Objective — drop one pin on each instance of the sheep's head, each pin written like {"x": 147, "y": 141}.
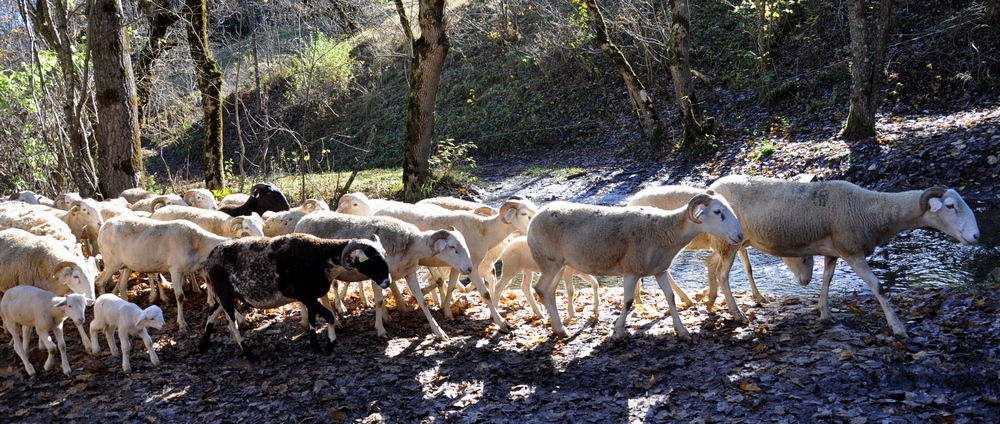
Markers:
{"x": 713, "y": 213}
{"x": 74, "y": 306}
{"x": 450, "y": 247}
{"x": 518, "y": 212}
{"x": 201, "y": 198}
{"x": 367, "y": 257}
{"x": 945, "y": 210}
{"x": 166, "y": 200}
{"x": 267, "y": 197}
{"x": 86, "y": 211}
{"x": 152, "y": 316}
{"x": 354, "y": 204}
{"x": 313, "y": 205}
{"x": 78, "y": 276}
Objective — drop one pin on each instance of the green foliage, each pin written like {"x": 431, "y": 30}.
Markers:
{"x": 450, "y": 166}
{"x": 765, "y": 151}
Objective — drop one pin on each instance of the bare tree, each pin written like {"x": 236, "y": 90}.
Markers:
{"x": 868, "y": 55}
{"x": 696, "y": 125}
{"x": 429, "y": 52}
{"x": 649, "y": 121}
{"x": 160, "y": 17}
{"x": 210, "y": 85}
{"x": 117, "y": 127}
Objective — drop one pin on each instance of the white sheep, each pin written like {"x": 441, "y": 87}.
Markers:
{"x": 24, "y": 307}
{"x": 516, "y": 258}
{"x": 674, "y": 196}
{"x": 235, "y": 199}
{"x": 215, "y": 222}
{"x": 405, "y": 246}
{"x": 456, "y": 204}
{"x": 27, "y": 259}
{"x": 629, "y": 241}
{"x": 35, "y": 221}
{"x": 153, "y": 203}
{"x": 281, "y": 223}
{"x": 201, "y": 198}
{"x": 114, "y": 314}
{"x": 133, "y": 195}
{"x": 150, "y": 246}
{"x": 26, "y": 196}
{"x": 480, "y": 232}
{"x": 65, "y": 201}
{"x": 360, "y": 205}
{"x": 836, "y": 219}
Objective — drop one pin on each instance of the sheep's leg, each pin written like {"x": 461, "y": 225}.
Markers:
{"x": 597, "y": 298}
{"x": 529, "y": 295}
{"x": 685, "y": 300}
{"x": 26, "y": 338}
{"x": 325, "y": 301}
{"x": 195, "y": 287}
{"x": 362, "y": 297}
{"x": 13, "y": 328}
{"x": 339, "y": 294}
{"x": 61, "y": 345}
{"x": 109, "y": 334}
{"x": 401, "y": 305}
{"x": 126, "y": 350}
{"x": 546, "y": 289}
{"x": 567, "y": 277}
{"x": 725, "y": 265}
{"x": 380, "y": 312}
{"x": 177, "y": 282}
{"x": 682, "y": 332}
{"x": 414, "y": 285}
{"x": 206, "y": 337}
{"x": 446, "y": 295}
{"x": 148, "y": 341}
{"x": 829, "y": 268}
{"x": 50, "y": 346}
{"x": 860, "y": 266}
{"x": 481, "y": 286}
{"x": 84, "y": 338}
{"x": 314, "y": 308}
{"x": 745, "y": 259}
{"x": 157, "y": 281}
{"x": 95, "y": 346}
{"x": 629, "y": 292}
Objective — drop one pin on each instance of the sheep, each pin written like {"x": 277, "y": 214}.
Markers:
{"x": 112, "y": 313}
{"x": 629, "y": 241}
{"x": 26, "y": 196}
{"x": 270, "y": 272}
{"x": 263, "y": 197}
{"x": 836, "y": 219}
{"x": 456, "y": 204}
{"x": 150, "y": 246}
{"x": 134, "y": 195}
{"x": 201, "y": 198}
{"x": 29, "y": 306}
{"x": 216, "y": 222}
{"x": 26, "y": 217}
{"x": 27, "y": 259}
{"x": 517, "y": 258}
{"x": 405, "y": 246}
{"x": 66, "y": 200}
{"x": 82, "y": 214}
{"x": 480, "y": 232}
{"x": 672, "y": 197}
{"x": 235, "y": 199}
{"x": 280, "y": 223}
{"x": 153, "y": 203}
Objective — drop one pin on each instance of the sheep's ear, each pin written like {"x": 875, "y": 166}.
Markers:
{"x": 935, "y": 204}
{"x": 375, "y": 238}
{"x": 440, "y": 245}
{"x": 140, "y": 321}
{"x": 508, "y": 216}
{"x": 90, "y": 302}
{"x": 484, "y": 211}
{"x": 61, "y": 303}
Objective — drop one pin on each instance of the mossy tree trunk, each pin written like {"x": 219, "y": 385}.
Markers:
{"x": 51, "y": 20}
{"x": 869, "y": 35}
{"x": 429, "y": 52}
{"x": 649, "y": 121}
{"x": 210, "y": 85}
{"x": 160, "y": 17}
{"x": 697, "y": 127}
{"x": 117, "y": 129}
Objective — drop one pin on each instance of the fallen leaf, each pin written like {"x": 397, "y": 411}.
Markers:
{"x": 749, "y": 387}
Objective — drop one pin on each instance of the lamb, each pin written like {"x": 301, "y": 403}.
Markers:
{"x": 263, "y": 197}
{"x": 405, "y": 246}
{"x": 629, "y": 241}
{"x": 30, "y": 306}
{"x": 151, "y": 246}
{"x": 27, "y": 259}
{"x": 112, "y": 313}
{"x": 271, "y": 272}
{"x": 836, "y": 219}
{"x": 201, "y": 198}
{"x": 517, "y": 258}
{"x": 215, "y": 222}
{"x": 481, "y": 233}
{"x": 672, "y": 197}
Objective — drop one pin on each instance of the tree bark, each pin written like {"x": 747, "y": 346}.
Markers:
{"x": 868, "y": 54}
{"x": 697, "y": 127}
{"x": 117, "y": 126}
{"x": 429, "y": 52}
{"x": 210, "y": 85}
{"x": 649, "y": 121}
{"x": 160, "y": 17}
{"x": 52, "y": 23}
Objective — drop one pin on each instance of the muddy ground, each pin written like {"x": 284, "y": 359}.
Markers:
{"x": 784, "y": 366}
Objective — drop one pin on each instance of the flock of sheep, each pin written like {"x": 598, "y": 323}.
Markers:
{"x": 258, "y": 250}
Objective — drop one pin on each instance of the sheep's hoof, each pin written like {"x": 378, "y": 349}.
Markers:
{"x": 900, "y": 335}
{"x": 328, "y": 349}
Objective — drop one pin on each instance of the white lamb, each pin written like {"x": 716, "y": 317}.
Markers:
{"x": 29, "y": 306}
{"x": 112, "y": 313}
{"x": 629, "y": 241}
{"x": 516, "y": 258}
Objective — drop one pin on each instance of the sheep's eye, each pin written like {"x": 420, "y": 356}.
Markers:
{"x": 950, "y": 206}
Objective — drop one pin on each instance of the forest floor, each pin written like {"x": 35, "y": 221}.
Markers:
{"x": 784, "y": 366}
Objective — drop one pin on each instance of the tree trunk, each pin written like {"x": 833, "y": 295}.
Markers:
{"x": 429, "y": 52}
{"x": 697, "y": 127}
{"x": 160, "y": 17}
{"x": 52, "y": 23}
{"x": 868, "y": 54}
{"x": 210, "y": 85}
{"x": 117, "y": 126}
{"x": 649, "y": 121}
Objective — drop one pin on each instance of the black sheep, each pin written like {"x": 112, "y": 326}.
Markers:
{"x": 267, "y": 272}
{"x": 263, "y": 197}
